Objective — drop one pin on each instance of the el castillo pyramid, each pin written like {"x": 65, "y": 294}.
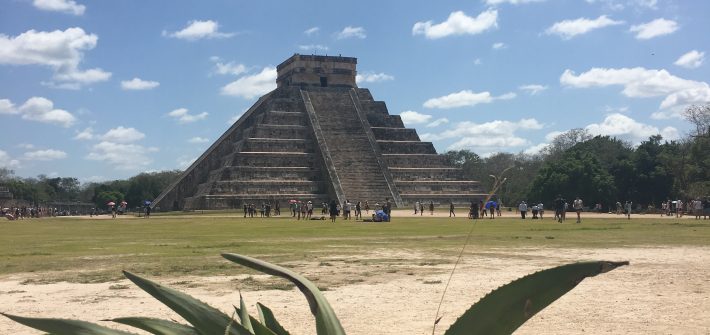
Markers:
{"x": 318, "y": 137}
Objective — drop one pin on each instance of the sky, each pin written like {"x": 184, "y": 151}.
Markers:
{"x": 103, "y": 90}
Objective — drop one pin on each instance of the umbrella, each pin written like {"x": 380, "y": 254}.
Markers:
{"x": 111, "y": 203}
{"x": 123, "y": 203}
{"x": 292, "y": 201}
{"x": 491, "y": 204}
{"x": 146, "y": 202}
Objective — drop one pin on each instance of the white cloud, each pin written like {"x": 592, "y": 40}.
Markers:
{"x": 184, "y": 162}
{"x": 490, "y": 136}
{"x": 45, "y": 155}
{"x": 369, "y": 77}
{"x": 536, "y": 149}
{"x": 198, "y": 139}
{"x": 85, "y": 135}
{"x": 197, "y": 29}
{"x": 533, "y": 89}
{"x": 552, "y": 135}
{"x": 228, "y": 68}
{"x": 313, "y": 47}
{"x": 477, "y": 61}
{"x": 122, "y": 156}
{"x": 639, "y": 82}
{"x": 7, "y": 107}
{"x": 412, "y": 117}
{"x": 64, "y": 6}
{"x": 458, "y": 23}
{"x": 311, "y": 31}
{"x": 122, "y": 135}
{"x": 499, "y": 45}
{"x": 62, "y": 51}
{"x": 42, "y": 110}
{"x": 568, "y": 29}
{"x": 624, "y": 127}
{"x": 691, "y": 60}
{"x": 512, "y": 2}
{"x": 7, "y": 162}
{"x": 182, "y": 116}
{"x": 251, "y": 86}
{"x": 465, "y": 98}
{"x": 438, "y": 122}
{"x": 26, "y": 146}
{"x": 235, "y": 118}
{"x": 655, "y": 28}
{"x": 139, "y": 84}
{"x": 351, "y": 32}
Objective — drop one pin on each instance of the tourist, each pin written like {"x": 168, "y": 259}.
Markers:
{"x": 421, "y": 208}
{"x": 245, "y": 209}
{"x": 697, "y": 208}
{"x": 540, "y": 210}
{"x": 358, "y": 210}
{"x": 431, "y": 207}
{"x": 367, "y": 207}
{"x": 498, "y": 208}
{"x": 523, "y": 208}
{"x": 678, "y": 209}
{"x": 451, "y": 209}
{"x": 416, "y": 207}
{"x": 534, "y": 211}
{"x": 559, "y": 204}
{"x": 346, "y": 209}
{"x": 577, "y": 205}
{"x": 482, "y": 209}
{"x": 304, "y": 210}
{"x": 333, "y": 210}
{"x": 388, "y": 211}
{"x": 309, "y": 210}
{"x": 277, "y": 209}
{"x": 627, "y": 209}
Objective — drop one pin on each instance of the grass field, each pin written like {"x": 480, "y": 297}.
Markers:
{"x": 84, "y": 250}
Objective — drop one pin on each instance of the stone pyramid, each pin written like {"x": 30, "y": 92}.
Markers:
{"x": 318, "y": 137}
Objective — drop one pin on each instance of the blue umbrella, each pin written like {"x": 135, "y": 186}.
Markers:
{"x": 491, "y": 204}
{"x": 147, "y": 202}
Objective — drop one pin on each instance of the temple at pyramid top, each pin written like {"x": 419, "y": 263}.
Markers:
{"x": 318, "y": 137}
{"x": 317, "y": 71}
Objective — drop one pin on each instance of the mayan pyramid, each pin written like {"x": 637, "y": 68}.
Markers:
{"x": 318, "y": 137}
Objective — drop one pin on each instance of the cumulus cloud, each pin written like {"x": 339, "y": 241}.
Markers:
{"x": 568, "y": 29}
{"x": 85, "y": 135}
{"x": 62, "y": 51}
{"x": 533, "y": 89}
{"x": 182, "y": 115}
{"x": 251, "y": 86}
{"x": 412, "y": 117}
{"x": 691, "y": 60}
{"x": 458, "y": 23}
{"x": 38, "y": 109}
{"x": 438, "y": 122}
{"x": 369, "y": 77}
{"x": 139, "y": 84}
{"x": 8, "y": 162}
{"x": 64, "y": 6}
{"x": 311, "y": 31}
{"x": 198, "y": 139}
{"x": 351, "y": 32}
{"x": 197, "y": 29}
{"x": 313, "y": 47}
{"x": 45, "y": 155}
{"x": 227, "y": 68}
{"x": 536, "y": 149}
{"x": 624, "y": 127}
{"x": 655, "y": 28}
{"x": 639, "y": 82}
{"x": 465, "y": 98}
{"x": 122, "y": 135}
{"x": 122, "y": 156}
{"x": 499, "y": 45}
{"x": 486, "y": 137}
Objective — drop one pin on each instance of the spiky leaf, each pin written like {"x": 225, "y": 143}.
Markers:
{"x": 327, "y": 322}
{"x": 508, "y": 307}
{"x": 65, "y": 326}
{"x": 244, "y": 315}
{"x": 258, "y": 327}
{"x": 206, "y": 319}
{"x": 157, "y": 326}
{"x": 269, "y": 320}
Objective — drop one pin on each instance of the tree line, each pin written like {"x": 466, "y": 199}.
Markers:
{"x": 601, "y": 169}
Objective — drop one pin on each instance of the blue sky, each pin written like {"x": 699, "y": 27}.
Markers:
{"x": 107, "y": 89}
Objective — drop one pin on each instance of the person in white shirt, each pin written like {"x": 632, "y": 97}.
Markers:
{"x": 523, "y": 208}
{"x": 577, "y": 205}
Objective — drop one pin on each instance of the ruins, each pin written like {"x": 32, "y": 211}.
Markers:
{"x": 318, "y": 137}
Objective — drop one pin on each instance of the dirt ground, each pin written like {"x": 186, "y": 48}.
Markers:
{"x": 663, "y": 291}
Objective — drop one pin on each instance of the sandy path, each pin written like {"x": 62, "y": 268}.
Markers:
{"x": 664, "y": 291}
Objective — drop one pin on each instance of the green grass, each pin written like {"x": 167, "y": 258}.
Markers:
{"x": 80, "y": 250}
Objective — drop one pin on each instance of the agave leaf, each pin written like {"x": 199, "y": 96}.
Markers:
{"x": 259, "y": 328}
{"x": 327, "y": 322}
{"x": 206, "y": 319}
{"x": 244, "y": 315}
{"x": 505, "y": 309}
{"x": 269, "y": 320}
{"x": 157, "y": 326}
{"x": 65, "y": 326}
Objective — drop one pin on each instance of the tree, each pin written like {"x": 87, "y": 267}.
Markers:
{"x": 699, "y": 116}
{"x": 566, "y": 141}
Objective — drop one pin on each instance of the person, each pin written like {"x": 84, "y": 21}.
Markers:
{"x": 482, "y": 209}
{"x": 421, "y": 208}
{"x": 358, "y": 211}
{"x": 388, "y": 211}
{"x": 416, "y": 207}
{"x": 333, "y": 210}
{"x": 540, "y": 210}
{"x": 577, "y": 205}
{"x": 431, "y": 207}
{"x": 627, "y": 209}
{"x": 309, "y": 210}
{"x": 277, "y": 209}
{"x": 679, "y": 209}
{"x": 559, "y": 207}
{"x": 523, "y": 208}
{"x": 113, "y": 211}
{"x": 147, "y": 212}
{"x": 451, "y": 209}
{"x": 245, "y": 209}
{"x": 534, "y": 211}
{"x": 706, "y": 208}
{"x": 346, "y": 210}
{"x": 498, "y": 208}
{"x": 367, "y": 207}
{"x": 304, "y": 210}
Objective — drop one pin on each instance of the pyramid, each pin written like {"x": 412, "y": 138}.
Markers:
{"x": 318, "y": 137}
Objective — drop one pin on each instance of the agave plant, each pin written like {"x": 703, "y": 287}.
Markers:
{"x": 500, "y": 312}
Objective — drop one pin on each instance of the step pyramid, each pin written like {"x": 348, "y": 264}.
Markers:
{"x": 318, "y": 137}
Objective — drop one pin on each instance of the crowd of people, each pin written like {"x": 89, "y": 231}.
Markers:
{"x": 25, "y": 212}
{"x": 306, "y": 210}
